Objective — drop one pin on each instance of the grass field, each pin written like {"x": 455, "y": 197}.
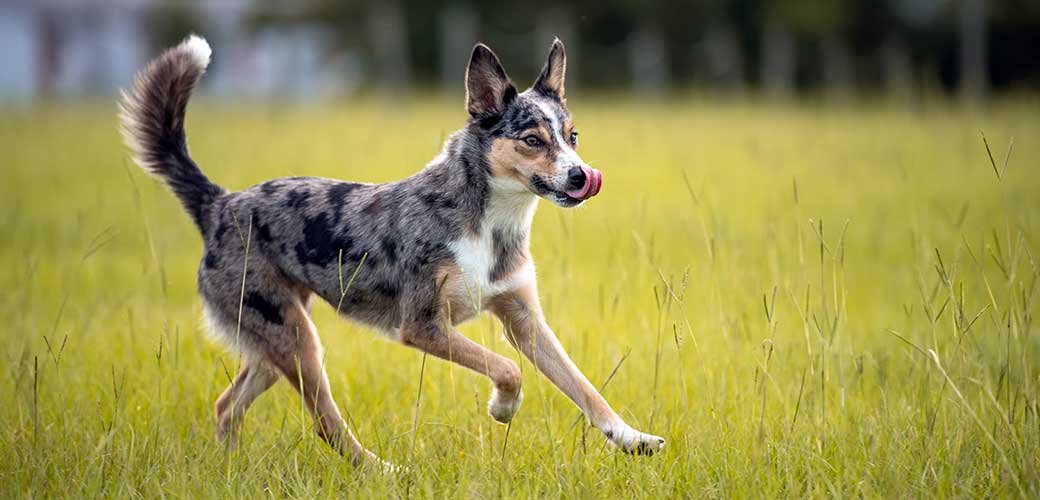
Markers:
{"x": 805, "y": 300}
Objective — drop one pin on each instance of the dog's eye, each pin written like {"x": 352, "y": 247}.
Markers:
{"x": 534, "y": 141}
{"x": 574, "y": 138}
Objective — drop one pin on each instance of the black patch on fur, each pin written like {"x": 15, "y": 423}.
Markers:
{"x": 426, "y": 254}
{"x": 337, "y": 196}
{"x": 211, "y": 260}
{"x": 387, "y": 289}
{"x": 426, "y": 313}
{"x": 269, "y": 310}
{"x": 371, "y": 261}
{"x": 472, "y": 200}
{"x": 222, "y": 228}
{"x": 263, "y": 232}
{"x": 296, "y": 199}
{"x": 550, "y": 95}
{"x": 389, "y": 249}
{"x": 431, "y": 198}
{"x": 356, "y": 256}
{"x": 270, "y": 187}
{"x": 434, "y": 200}
{"x": 489, "y": 122}
{"x": 509, "y": 95}
{"x": 508, "y": 252}
{"x": 539, "y": 185}
{"x": 375, "y": 206}
{"x": 467, "y": 167}
{"x": 321, "y": 243}
{"x": 518, "y": 118}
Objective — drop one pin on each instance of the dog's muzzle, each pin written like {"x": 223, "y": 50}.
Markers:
{"x": 586, "y": 182}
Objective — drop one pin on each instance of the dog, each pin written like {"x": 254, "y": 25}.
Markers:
{"x": 420, "y": 255}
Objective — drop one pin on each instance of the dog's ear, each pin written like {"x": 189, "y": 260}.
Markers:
{"x": 488, "y": 89}
{"x": 550, "y": 82}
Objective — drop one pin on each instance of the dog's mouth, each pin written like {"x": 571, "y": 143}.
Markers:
{"x": 593, "y": 183}
{"x": 571, "y": 197}
{"x": 563, "y": 199}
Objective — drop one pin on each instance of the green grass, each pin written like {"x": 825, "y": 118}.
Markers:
{"x": 810, "y": 300}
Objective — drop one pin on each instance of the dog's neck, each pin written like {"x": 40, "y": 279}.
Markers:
{"x": 510, "y": 207}
{"x": 493, "y": 203}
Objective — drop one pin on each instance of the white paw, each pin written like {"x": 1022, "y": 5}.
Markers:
{"x": 392, "y": 469}
{"x": 503, "y": 406}
{"x": 633, "y": 441}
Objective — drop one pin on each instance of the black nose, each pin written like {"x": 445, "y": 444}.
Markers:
{"x": 576, "y": 177}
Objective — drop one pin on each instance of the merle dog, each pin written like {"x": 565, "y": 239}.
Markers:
{"x": 429, "y": 251}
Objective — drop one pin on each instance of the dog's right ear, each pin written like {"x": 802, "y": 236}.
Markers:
{"x": 488, "y": 89}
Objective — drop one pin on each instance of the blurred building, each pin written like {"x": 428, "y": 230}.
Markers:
{"x": 81, "y": 48}
{"x": 317, "y": 48}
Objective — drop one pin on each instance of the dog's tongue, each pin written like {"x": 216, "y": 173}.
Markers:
{"x": 593, "y": 183}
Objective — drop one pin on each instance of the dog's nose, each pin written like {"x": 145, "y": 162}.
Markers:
{"x": 576, "y": 177}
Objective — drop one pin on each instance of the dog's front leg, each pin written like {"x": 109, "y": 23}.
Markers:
{"x": 526, "y": 329}
{"x": 444, "y": 342}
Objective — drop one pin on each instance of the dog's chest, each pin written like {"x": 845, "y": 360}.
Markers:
{"x": 488, "y": 266}
{"x": 496, "y": 259}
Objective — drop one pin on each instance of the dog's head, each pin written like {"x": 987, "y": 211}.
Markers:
{"x": 533, "y": 142}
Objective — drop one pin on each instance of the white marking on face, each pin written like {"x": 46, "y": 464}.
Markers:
{"x": 568, "y": 157}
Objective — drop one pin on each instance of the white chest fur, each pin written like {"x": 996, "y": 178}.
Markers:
{"x": 509, "y": 211}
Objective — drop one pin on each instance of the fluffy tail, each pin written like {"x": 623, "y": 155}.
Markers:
{"x": 152, "y": 117}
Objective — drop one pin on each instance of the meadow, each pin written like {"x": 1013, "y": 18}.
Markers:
{"x": 805, "y": 299}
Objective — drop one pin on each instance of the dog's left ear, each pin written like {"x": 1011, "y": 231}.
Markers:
{"x": 550, "y": 82}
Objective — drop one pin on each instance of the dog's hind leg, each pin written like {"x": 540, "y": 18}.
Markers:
{"x": 302, "y": 364}
{"x": 255, "y": 377}
{"x": 268, "y": 321}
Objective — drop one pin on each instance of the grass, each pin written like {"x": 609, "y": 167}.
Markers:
{"x": 805, "y": 300}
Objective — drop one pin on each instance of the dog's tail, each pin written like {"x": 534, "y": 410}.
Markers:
{"x": 152, "y": 118}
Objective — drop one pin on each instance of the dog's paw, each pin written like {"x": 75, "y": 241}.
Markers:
{"x": 392, "y": 469}
{"x": 502, "y": 407}
{"x": 632, "y": 441}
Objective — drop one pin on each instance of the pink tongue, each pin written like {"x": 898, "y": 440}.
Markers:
{"x": 593, "y": 183}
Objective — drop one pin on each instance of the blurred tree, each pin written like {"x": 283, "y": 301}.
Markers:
{"x": 1014, "y": 36}
{"x": 388, "y": 34}
{"x": 781, "y": 45}
{"x": 819, "y": 24}
{"x": 973, "y": 42}
{"x": 814, "y": 19}
{"x": 458, "y": 29}
{"x": 557, "y": 21}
